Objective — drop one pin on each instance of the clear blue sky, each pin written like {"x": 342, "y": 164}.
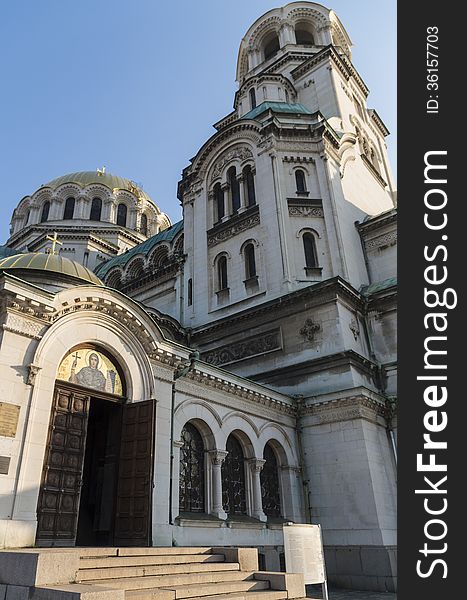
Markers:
{"x": 136, "y": 85}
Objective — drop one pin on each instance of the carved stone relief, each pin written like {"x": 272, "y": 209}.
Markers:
{"x": 309, "y": 330}
{"x": 253, "y": 346}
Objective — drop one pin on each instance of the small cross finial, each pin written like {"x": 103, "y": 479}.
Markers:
{"x": 101, "y": 171}
{"x": 54, "y": 241}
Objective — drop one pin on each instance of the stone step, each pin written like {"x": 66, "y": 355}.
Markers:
{"x": 159, "y": 581}
{"x": 158, "y": 594}
{"x": 162, "y": 550}
{"x": 262, "y": 595}
{"x": 145, "y": 570}
{"x": 136, "y": 561}
{"x": 217, "y": 588}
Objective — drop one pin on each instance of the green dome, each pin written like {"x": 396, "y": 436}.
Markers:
{"x": 38, "y": 261}
{"x": 85, "y": 178}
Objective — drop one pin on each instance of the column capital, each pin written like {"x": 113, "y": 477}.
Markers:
{"x": 256, "y": 464}
{"x": 217, "y": 457}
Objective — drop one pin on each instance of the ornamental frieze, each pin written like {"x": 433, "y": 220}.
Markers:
{"x": 226, "y": 231}
{"x": 382, "y": 241}
{"x": 306, "y": 211}
{"x": 254, "y": 346}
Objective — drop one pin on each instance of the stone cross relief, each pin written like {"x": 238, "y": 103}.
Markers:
{"x": 309, "y": 330}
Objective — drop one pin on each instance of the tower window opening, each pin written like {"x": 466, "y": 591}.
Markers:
{"x": 234, "y": 188}
{"x": 69, "y": 211}
{"x": 96, "y": 209}
{"x": 219, "y": 201}
{"x": 45, "y": 212}
{"x": 26, "y": 218}
{"x": 121, "y": 214}
{"x": 271, "y": 46}
{"x": 250, "y": 185}
{"x": 300, "y": 181}
{"x": 252, "y": 98}
{"x": 304, "y": 37}
{"x": 222, "y": 281}
{"x": 309, "y": 247}
{"x": 250, "y": 261}
{"x": 190, "y": 292}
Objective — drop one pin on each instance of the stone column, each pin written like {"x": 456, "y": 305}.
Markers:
{"x": 243, "y": 193}
{"x": 217, "y": 458}
{"x": 256, "y": 465}
{"x": 227, "y": 201}
{"x": 82, "y": 207}
{"x": 292, "y": 503}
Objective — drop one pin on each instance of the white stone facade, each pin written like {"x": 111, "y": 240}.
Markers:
{"x": 282, "y": 272}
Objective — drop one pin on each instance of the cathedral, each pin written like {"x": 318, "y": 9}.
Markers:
{"x": 203, "y": 382}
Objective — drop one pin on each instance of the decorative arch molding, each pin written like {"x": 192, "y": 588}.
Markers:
{"x": 255, "y": 243}
{"x": 304, "y": 230}
{"x": 113, "y": 276}
{"x": 159, "y": 255}
{"x": 192, "y": 410}
{"x": 272, "y": 23}
{"x": 238, "y": 154}
{"x": 135, "y": 267}
{"x": 274, "y": 432}
{"x": 236, "y": 421}
{"x": 106, "y": 303}
{"x": 247, "y": 132}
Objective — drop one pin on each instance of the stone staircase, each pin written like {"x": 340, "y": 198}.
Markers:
{"x": 143, "y": 574}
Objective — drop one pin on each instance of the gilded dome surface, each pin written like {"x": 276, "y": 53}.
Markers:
{"x": 38, "y": 261}
{"x": 85, "y": 178}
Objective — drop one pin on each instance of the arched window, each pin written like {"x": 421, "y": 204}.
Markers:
{"x": 271, "y": 46}
{"x": 190, "y": 292}
{"x": 233, "y": 478}
{"x": 303, "y": 35}
{"x": 222, "y": 281}
{"x": 45, "y": 212}
{"x": 69, "y": 210}
{"x": 269, "y": 477}
{"x": 191, "y": 498}
{"x": 26, "y": 218}
{"x": 121, "y": 214}
{"x": 250, "y": 262}
{"x": 96, "y": 209}
{"x": 300, "y": 181}
{"x": 114, "y": 280}
{"x": 234, "y": 188}
{"x": 252, "y": 98}
{"x": 219, "y": 201}
{"x": 309, "y": 247}
{"x": 144, "y": 224}
{"x": 250, "y": 185}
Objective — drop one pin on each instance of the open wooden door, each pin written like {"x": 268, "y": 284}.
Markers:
{"x": 134, "y": 492}
{"x": 58, "y": 505}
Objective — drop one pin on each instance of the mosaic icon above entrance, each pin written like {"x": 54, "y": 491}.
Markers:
{"x": 91, "y": 369}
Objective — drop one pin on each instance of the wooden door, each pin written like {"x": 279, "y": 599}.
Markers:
{"x": 134, "y": 491}
{"x": 58, "y": 504}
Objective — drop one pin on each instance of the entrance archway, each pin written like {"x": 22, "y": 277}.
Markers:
{"x": 97, "y": 474}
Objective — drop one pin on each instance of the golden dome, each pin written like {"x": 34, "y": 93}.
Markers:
{"x": 38, "y": 261}
{"x": 85, "y": 178}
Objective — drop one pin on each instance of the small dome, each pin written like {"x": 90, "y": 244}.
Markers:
{"x": 85, "y": 178}
{"x": 38, "y": 261}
